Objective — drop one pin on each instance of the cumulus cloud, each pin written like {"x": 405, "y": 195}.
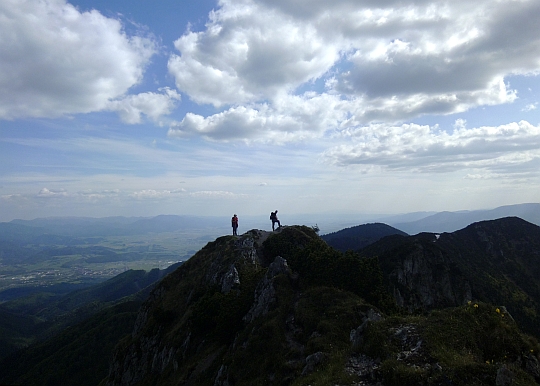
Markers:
{"x": 153, "y": 105}
{"x": 249, "y": 53}
{"x": 429, "y": 149}
{"x": 379, "y": 62}
{"x": 292, "y": 118}
{"x": 55, "y": 60}
{"x": 530, "y": 107}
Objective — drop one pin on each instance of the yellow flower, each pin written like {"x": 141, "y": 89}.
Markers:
{"x": 476, "y": 306}
{"x": 498, "y": 311}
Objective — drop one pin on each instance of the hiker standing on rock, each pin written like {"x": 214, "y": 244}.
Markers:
{"x": 273, "y": 217}
{"x": 234, "y": 223}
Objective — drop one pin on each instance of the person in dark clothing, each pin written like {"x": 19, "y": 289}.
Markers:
{"x": 273, "y": 217}
{"x": 234, "y": 223}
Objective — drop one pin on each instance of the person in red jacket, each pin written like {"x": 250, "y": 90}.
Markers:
{"x": 234, "y": 223}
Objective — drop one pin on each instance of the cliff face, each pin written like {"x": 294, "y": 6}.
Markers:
{"x": 424, "y": 279}
{"x": 494, "y": 261}
{"x": 284, "y": 308}
{"x": 420, "y": 274}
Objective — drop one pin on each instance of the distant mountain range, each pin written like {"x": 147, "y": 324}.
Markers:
{"x": 106, "y": 226}
{"x": 360, "y": 236}
{"x": 411, "y": 223}
{"x": 452, "y": 221}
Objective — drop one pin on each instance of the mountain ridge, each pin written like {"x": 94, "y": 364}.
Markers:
{"x": 302, "y": 308}
{"x": 285, "y": 308}
{"x": 452, "y": 221}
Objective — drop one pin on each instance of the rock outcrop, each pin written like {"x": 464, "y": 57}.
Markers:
{"x": 265, "y": 293}
{"x": 221, "y": 275}
{"x": 424, "y": 279}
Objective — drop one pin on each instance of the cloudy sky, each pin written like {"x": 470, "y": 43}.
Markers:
{"x": 140, "y": 108}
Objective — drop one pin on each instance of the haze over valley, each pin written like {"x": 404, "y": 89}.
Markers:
{"x": 62, "y": 254}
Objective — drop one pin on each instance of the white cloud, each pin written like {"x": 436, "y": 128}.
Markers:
{"x": 55, "y": 60}
{"x": 46, "y": 193}
{"x": 485, "y": 176}
{"x": 155, "y": 194}
{"x": 290, "y": 118}
{"x": 530, "y": 107}
{"x": 9, "y": 197}
{"x": 217, "y": 194}
{"x": 153, "y": 105}
{"x": 99, "y": 195}
{"x": 383, "y": 62}
{"x": 427, "y": 149}
{"x": 249, "y": 53}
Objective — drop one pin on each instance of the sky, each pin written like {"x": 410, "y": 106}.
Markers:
{"x": 141, "y": 108}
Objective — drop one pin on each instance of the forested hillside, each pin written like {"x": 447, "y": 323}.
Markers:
{"x": 360, "y": 236}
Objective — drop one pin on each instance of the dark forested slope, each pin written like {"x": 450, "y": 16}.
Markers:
{"x": 360, "y": 236}
{"x": 41, "y": 316}
{"x": 494, "y": 261}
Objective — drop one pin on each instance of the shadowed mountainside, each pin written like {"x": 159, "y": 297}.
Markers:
{"x": 30, "y": 319}
{"x": 360, "y": 236}
{"x": 78, "y": 355}
{"x": 494, "y": 261}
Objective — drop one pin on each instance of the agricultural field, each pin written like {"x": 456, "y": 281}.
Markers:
{"x": 62, "y": 263}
